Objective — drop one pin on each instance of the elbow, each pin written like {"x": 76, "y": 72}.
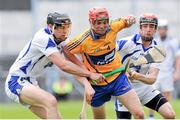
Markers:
{"x": 152, "y": 81}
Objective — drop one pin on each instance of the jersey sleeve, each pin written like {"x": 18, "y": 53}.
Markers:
{"x": 123, "y": 45}
{"x": 117, "y": 25}
{"x": 75, "y": 45}
{"x": 46, "y": 45}
{"x": 155, "y": 65}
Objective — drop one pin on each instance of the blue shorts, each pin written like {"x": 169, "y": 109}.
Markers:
{"x": 117, "y": 87}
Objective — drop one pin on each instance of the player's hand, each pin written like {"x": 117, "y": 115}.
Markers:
{"x": 97, "y": 78}
{"x": 130, "y": 20}
{"x": 89, "y": 92}
{"x": 132, "y": 75}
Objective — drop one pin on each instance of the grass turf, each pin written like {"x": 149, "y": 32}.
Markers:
{"x": 69, "y": 110}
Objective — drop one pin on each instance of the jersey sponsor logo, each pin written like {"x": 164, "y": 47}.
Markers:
{"x": 103, "y": 59}
{"x": 107, "y": 47}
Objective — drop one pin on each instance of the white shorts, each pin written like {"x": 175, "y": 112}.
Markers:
{"x": 145, "y": 94}
{"x": 14, "y": 85}
{"x": 164, "y": 84}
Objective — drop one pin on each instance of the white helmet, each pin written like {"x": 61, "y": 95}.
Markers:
{"x": 163, "y": 23}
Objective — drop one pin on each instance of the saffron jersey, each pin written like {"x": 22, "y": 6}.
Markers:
{"x": 99, "y": 52}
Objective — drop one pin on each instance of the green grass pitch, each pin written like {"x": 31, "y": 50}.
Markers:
{"x": 69, "y": 110}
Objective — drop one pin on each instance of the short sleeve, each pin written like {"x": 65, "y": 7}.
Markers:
{"x": 46, "y": 45}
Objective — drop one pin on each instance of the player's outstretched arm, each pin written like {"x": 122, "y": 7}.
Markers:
{"x": 75, "y": 60}
{"x": 67, "y": 66}
{"x": 148, "y": 79}
{"x": 130, "y": 20}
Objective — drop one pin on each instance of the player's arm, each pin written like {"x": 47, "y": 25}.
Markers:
{"x": 67, "y": 66}
{"x": 72, "y": 57}
{"x": 122, "y": 22}
{"x": 149, "y": 78}
{"x": 89, "y": 91}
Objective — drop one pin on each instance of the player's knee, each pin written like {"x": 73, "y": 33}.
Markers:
{"x": 170, "y": 115}
{"x": 138, "y": 115}
{"x": 51, "y": 102}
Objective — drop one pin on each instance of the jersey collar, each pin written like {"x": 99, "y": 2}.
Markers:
{"x": 137, "y": 40}
{"x": 48, "y": 30}
{"x": 97, "y": 36}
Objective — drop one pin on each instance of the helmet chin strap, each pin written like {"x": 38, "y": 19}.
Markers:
{"x": 147, "y": 39}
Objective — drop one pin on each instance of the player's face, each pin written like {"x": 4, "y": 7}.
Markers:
{"x": 148, "y": 30}
{"x": 163, "y": 32}
{"x": 61, "y": 32}
{"x": 100, "y": 26}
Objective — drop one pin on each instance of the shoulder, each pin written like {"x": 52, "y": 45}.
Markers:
{"x": 41, "y": 35}
{"x": 126, "y": 42}
{"x": 80, "y": 38}
{"x": 42, "y": 39}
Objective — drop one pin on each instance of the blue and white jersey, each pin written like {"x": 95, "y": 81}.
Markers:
{"x": 132, "y": 47}
{"x": 34, "y": 56}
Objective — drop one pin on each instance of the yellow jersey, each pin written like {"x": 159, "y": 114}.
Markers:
{"x": 99, "y": 53}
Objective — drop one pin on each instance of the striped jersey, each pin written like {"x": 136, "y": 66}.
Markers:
{"x": 99, "y": 52}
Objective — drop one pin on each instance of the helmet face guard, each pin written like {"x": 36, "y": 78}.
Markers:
{"x": 98, "y": 13}
{"x": 148, "y": 19}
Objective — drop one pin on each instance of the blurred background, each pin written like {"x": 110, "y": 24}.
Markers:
{"x": 20, "y": 19}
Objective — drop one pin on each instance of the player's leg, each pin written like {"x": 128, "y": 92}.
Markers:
{"x": 167, "y": 111}
{"x": 168, "y": 95}
{"x": 25, "y": 90}
{"x": 39, "y": 111}
{"x": 40, "y": 101}
{"x": 123, "y": 115}
{"x": 158, "y": 86}
{"x": 121, "y": 111}
{"x": 131, "y": 101}
{"x": 101, "y": 96}
{"x": 99, "y": 112}
{"x": 162, "y": 106}
{"x": 128, "y": 97}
